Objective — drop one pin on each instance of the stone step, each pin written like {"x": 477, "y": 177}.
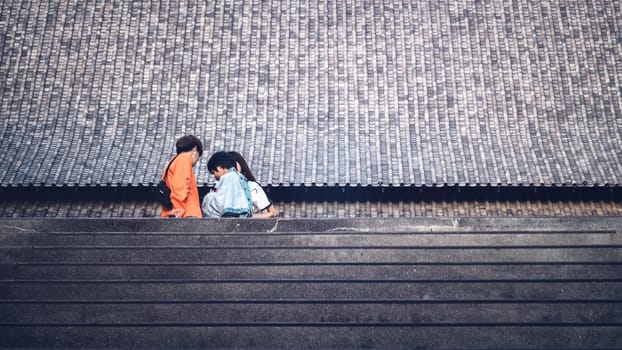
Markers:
{"x": 16, "y": 227}
{"x": 305, "y": 312}
{"x": 414, "y": 289}
{"x": 481, "y": 335}
{"x": 301, "y": 254}
{"x": 370, "y": 239}
{"x": 311, "y": 270}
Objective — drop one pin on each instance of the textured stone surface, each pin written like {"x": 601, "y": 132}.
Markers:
{"x": 342, "y": 92}
{"x": 478, "y": 283}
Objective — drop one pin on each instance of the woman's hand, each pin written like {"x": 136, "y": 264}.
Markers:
{"x": 269, "y": 212}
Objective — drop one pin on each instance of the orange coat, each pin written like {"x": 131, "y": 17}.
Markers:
{"x": 184, "y": 191}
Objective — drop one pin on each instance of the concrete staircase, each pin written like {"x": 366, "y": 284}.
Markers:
{"x": 467, "y": 283}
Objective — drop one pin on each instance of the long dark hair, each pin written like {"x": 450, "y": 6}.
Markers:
{"x": 244, "y": 168}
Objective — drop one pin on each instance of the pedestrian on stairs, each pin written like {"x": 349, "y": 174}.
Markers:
{"x": 181, "y": 181}
{"x": 230, "y": 196}
{"x": 261, "y": 203}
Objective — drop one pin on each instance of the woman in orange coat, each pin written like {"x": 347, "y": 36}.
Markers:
{"x": 181, "y": 181}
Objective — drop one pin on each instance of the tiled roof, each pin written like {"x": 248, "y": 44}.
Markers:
{"x": 342, "y": 92}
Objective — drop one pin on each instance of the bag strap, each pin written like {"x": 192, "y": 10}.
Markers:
{"x": 168, "y": 166}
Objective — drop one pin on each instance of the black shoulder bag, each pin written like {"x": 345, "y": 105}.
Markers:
{"x": 163, "y": 193}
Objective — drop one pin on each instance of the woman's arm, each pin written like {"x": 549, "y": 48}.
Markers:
{"x": 261, "y": 202}
{"x": 269, "y": 212}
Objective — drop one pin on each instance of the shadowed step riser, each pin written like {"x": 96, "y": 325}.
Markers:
{"x": 310, "y": 271}
{"x": 292, "y": 312}
{"x": 304, "y": 289}
{"x": 439, "y": 337}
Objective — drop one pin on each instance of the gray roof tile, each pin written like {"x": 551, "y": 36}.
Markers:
{"x": 388, "y": 92}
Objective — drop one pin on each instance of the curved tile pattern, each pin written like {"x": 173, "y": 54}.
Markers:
{"x": 343, "y": 92}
